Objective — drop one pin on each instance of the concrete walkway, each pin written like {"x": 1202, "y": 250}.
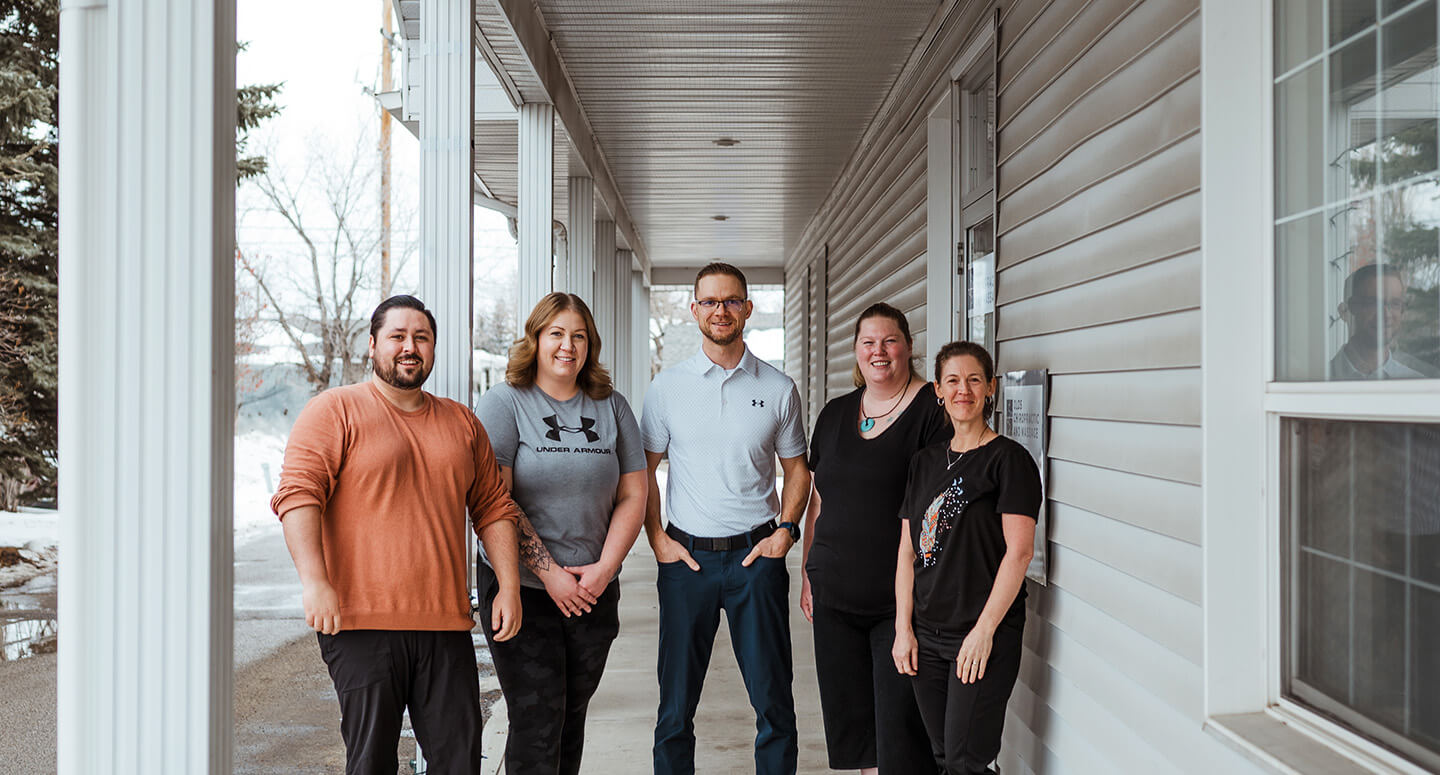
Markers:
{"x": 621, "y": 725}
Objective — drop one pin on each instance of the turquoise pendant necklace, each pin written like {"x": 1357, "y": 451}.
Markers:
{"x": 867, "y": 422}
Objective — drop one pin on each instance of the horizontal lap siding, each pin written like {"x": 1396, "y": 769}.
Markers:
{"x": 1098, "y": 266}
{"x": 1098, "y": 237}
{"x": 796, "y": 332}
{"x": 879, "y": 255}
{"x": 874, "y": 218}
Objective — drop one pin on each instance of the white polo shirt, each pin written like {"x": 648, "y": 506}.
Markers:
{"x": 723, "y": 430}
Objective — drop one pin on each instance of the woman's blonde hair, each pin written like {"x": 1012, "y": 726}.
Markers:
{"x": 593, "y": 379}
{"x": 882, "y": 310}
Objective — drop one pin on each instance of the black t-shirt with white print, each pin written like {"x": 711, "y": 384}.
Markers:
{"x": 954, "y": 508}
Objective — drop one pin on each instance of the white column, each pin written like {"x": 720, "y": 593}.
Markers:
{"x": 536, "y": 206}
{"x": 579, "y": 277}
{"x": 639, "y": 340}
{"x": 623, "y": 304}
{"x": 147, "y": 253}
{"x": 447, "y": 188}
{"x": 603, "y": 303}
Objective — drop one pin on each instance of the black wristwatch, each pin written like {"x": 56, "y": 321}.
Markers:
{"x": 794, "y": 530}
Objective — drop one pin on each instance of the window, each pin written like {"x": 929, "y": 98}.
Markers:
{"x": 976, "y": 203}
{"x": 1357, "y": 195}
{"x": 1356, "y": 219}
{"x": 1362, "y": 569}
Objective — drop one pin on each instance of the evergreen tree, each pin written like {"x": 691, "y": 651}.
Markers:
{"x": 254, "y": 103}
{"x": 29, "y": 255}
{"x": 29, "y": 39}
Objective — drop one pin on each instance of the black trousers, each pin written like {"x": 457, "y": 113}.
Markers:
{"x": 868, "y": 707}
{"x": 548, "y": 673}
{"x": 965, "y": 720}
{"x": 378, "y": 674}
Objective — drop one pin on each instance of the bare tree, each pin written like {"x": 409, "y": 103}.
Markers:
{"x": 320, "y": 289}
{"x": 495, "y": 324}
{"x": 668, "y": 308}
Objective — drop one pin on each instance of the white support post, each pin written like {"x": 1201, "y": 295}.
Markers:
{"x": 620, "y": 357}
{"x": 447, "y": 188}
{"x": 1235, "y": 92}
{"x": 147, "y": 303}
{"x": 579, "y": 275}
{"x": 603, "y": 301}
{"x": 537, "y": 205}
{"x": 639, "y": 340}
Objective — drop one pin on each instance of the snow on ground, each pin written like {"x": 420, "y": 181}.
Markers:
{"x": 258, "y": 456}
{"x": 35, "y": 535}
{"x": 768, "y": 344}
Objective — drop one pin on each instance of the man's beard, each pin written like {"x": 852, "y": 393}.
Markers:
{"x": 390, "y": 374}
{"x": 735, "y": 333}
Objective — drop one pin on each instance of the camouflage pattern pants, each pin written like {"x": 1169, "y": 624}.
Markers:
{"x": 548, "y": 673}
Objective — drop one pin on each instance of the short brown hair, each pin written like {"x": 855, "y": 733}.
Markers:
{"x": 720, "y": 267}
{"x": 882, "y": 310}
{"x": 593, "y": 379}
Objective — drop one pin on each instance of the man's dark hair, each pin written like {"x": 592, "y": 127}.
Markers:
{"x": 1370, "y": 274}
{"x": 720, "y": 267}
{"x": 377, "y": 320}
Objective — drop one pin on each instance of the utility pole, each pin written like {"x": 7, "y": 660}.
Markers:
{"x": 385, "y": 85}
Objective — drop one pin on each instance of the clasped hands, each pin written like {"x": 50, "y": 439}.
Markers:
{"x": 576, "y": 588}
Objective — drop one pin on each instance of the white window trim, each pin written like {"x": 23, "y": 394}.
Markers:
{"x": 1242, "y": 408}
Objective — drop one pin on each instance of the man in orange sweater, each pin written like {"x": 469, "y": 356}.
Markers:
{"x": 373, "y": 497}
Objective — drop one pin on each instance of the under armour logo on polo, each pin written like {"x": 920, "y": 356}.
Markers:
{"x": 756, "y": 402}
{"x": 586, "y": 423}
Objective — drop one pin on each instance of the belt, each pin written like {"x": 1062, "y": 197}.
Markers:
{"x": 724, "y": 543}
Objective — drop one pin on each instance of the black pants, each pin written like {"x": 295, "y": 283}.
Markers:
{"x": 965, "y": 720}
{"x": 380, "y": 673}
{"x": 868, "y": 723}
{"x": 548, "y": 673}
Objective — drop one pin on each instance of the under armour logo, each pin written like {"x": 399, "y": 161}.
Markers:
{"x": 586, "y": 423}
{"x": 756, "y": 402}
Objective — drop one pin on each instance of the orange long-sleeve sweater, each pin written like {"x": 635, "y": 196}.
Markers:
{"x": 393, "y": 488}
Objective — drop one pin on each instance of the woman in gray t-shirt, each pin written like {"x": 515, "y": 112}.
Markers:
{"x": 569, "y": 449}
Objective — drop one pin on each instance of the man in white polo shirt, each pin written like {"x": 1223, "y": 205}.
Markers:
{"x": 724, "y": 416}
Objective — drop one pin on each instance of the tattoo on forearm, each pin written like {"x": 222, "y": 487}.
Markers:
{"x": 533, "y": 553}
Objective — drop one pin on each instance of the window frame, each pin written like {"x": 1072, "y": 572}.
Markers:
{"x": 1243, "y": 406}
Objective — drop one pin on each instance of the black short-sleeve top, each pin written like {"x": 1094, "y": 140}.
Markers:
{"x": 861, "y": 483}
{"x": 955, "y": 507}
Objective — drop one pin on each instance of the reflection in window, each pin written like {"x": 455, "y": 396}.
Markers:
{"x": 1357, "y": 195}
{"x": 1363, "y": 578}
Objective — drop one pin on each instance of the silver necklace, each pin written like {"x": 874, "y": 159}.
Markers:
{"x": 949, "y": 464}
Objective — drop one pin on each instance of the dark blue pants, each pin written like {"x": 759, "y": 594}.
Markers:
{"x": 756, "y": 604}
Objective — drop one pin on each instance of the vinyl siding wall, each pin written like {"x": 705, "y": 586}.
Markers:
{"x": 1098, "y": 281}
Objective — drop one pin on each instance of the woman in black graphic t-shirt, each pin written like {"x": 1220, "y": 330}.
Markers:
{"x": 969, "y": 510}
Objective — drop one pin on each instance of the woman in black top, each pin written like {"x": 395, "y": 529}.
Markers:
{"x": 969, "y": 521}
{"x": 860, "y": 456}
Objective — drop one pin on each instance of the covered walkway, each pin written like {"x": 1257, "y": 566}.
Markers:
{"x": 1105, "y": 191}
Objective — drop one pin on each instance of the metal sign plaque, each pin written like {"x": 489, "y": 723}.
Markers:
{"x": 1024, "y": 419}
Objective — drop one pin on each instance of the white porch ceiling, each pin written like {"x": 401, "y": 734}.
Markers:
{"x": 660, "y": 80}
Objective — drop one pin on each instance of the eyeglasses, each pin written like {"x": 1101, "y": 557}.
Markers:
{"x": 710, "y": 305}
{"x": 1368, "y": 302}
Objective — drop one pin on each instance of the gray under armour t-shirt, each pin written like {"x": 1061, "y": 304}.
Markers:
{"x": 567, "y": 458}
